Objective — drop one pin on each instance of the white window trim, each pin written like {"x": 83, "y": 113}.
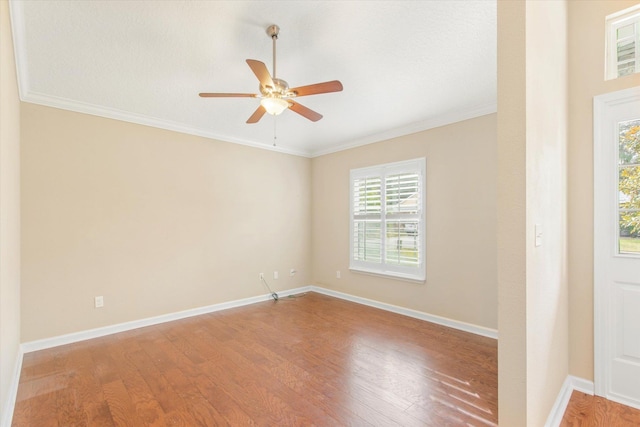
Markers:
{"x": 413, "y": 274}
{"x": 612, "y": 23}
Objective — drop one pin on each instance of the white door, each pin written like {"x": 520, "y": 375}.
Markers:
{"x": 617, "y": 246}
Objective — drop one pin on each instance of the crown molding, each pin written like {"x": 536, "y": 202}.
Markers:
{"x": 431, "y": 123}
{"x": 116, "y": 114}
{"x": 125, "y": 116}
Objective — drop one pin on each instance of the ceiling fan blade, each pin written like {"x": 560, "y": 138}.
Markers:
{"x": 326, "y": 87}
{"x": 261, "y": 72}
{"x": 257, "y": 115}
{"x": 227, "y": 95}
{"x": 304, "y": 111}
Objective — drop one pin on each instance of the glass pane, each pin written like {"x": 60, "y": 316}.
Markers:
{"x": 367, "y": 242}
{"x": 626, "y": 50}
{"x": 366, "y": 196}
{"x": 402, "y": 243}
{"x": 629, "y": 241}
{"x": 629, "y": 186}
{"x": 626, "y": 31}
{"x": 629, "y": 142}
{"x": 626, "y": 69}
{"x": 402, "y": 193}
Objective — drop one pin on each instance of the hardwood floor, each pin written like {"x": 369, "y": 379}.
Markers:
{"x": 311, "y": 360}
{"x": 585, "y": 410}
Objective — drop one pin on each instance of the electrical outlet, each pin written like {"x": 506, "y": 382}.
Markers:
{"x": 338, "y": 274}
{"x": 261, "y": 276}
{"x": 99, "y": 302}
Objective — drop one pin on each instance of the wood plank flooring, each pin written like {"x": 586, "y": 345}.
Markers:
{"x": 311, "y": 360}
{"x": 585, "y": 410}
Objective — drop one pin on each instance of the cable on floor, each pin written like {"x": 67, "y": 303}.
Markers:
{"x": 273, "y": 294}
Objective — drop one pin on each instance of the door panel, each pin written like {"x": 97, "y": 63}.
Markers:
{"x": 628, "y": 302}
{"x": 617, "y": 246}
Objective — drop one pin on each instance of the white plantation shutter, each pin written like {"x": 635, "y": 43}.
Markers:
{"x": 402, "y": 219}
{"x": 387, "y": 219}
{"x": 367, "y": 219}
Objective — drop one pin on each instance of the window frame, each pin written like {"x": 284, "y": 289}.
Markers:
{"x": 614, "y": 22}
{"x": 417, "y": 273}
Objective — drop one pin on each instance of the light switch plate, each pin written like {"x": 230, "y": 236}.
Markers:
{"x": 538, "y": 234}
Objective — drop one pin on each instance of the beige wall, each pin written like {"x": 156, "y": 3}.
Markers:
{"x": 532, "y": 142}
{"x": 586, "y": 66}
{"x": 9, "y": 214}
{"x": 546, "y": 146}
{"x": 460, "y": 215}
{"x": 154, "y": 221}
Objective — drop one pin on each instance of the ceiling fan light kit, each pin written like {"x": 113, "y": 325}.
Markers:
{"x": 275, "y": 95}
{"x": 274, "y": 106}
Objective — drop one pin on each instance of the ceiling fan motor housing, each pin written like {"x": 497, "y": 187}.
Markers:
{"x": 281, "y": 89}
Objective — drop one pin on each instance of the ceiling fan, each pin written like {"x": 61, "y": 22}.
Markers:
{"x": 275, "y": 94}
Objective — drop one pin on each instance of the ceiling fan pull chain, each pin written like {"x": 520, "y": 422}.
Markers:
{"x": 274, "y": 131}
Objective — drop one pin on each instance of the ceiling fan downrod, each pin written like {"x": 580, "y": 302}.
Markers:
{"x": 273, "y": 31}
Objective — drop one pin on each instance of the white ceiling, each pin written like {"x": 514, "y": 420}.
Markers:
{"x": 406, "y": 66}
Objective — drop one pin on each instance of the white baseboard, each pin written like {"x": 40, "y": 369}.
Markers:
{"x": 570, "y": 384}
{"x": 42, "y": 344}
{"x": 462, "y": 326}
{"x": 580, "y": 384}
{"x": 10, "y": 404}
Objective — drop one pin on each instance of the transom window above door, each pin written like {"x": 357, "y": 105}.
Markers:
{"x": 623, "y": 43}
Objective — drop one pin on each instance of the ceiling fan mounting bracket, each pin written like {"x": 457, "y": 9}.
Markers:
{"x": 273, "y": 31}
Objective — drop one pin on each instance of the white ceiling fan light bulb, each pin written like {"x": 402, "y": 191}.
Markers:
{"x": 274, "y": 106}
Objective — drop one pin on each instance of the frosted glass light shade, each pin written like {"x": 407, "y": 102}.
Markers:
{"x": 274, "y": 106}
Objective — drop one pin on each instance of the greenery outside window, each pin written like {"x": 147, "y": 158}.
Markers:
{"x": 387, "y": 219}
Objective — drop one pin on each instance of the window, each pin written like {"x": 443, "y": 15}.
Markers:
{"x": 387, "y": 219}
{"x": 623, "y": 43}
